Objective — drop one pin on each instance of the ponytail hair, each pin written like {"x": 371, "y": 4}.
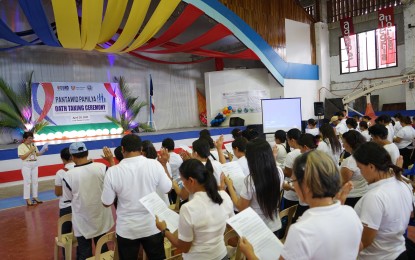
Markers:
{"x": 195, "y": 169}
{"x": 375, "y": 154}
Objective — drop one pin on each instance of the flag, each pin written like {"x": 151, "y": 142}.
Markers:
{"x": 153, "y": 107}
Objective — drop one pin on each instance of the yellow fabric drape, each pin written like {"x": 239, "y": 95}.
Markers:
{"x": 91, "y": 23}
{"x": 67, "y": 25}
{"x": 157, "y": 20}
{"x": 112, "y": 19}
{"x": 135, "y": 20}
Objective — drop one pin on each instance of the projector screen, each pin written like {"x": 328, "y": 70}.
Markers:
{"x": 281, "y": 114}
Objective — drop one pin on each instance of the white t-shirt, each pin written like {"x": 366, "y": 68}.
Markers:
{"x": 366, "y": 135}
{"x": 248, "y": 193}
{"x": 407, "y": 135}
{"x": 175, "y": 161}
{"x": 214, "y": 155}
{"x": 289, "y": 163}
{"x": 203, "y": 223}
{"x": 391, "y": 132}
{"x": 281, "y": 154}
{"x": 130, "y": 180}
{"x": 359, "y": 182}
{"x": 397, "y": 126}
{"x": 386, "y": 207}
{"x": 23, "y": 149}
{"x": 59, "y": 182}
{"x": 313, "y": 131}
{"x": 330, "y": 232}
{"x": 217, "y": 170}
{"x": 89, "y": 217}
{"x": 325, "y": 146}
{"x": 393, "y": 151}
{"x": 243, "y": 162}
{"x": 341, "y": 128}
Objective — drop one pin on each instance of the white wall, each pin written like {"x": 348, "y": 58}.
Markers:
{"x": 298, "y": 46}
{"x": 343, "y": 84}
{"x": 307, "y": 90}
{"x": 409, "y": 18}
{"x": 219, "y": 82}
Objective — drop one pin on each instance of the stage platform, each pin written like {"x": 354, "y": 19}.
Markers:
{"x": 50, "y": 162}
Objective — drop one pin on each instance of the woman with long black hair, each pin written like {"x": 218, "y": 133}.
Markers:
{"x": 262, "y": 186}
{"x": 329, "y": 143}
{"x": 202, "y": 220}
{"x": 385, "y": 209}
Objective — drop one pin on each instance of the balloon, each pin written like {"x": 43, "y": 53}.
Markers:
{"x": 229, "y": 107}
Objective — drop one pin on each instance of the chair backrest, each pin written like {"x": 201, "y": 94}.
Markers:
{"x": 103, "y": 240}
{"x": 61, "y": 220}
{"x": 289, "y": 213}
{"x": 177, "y": 205}
{"x": 175, "y": 257}
{"x": 232, "y": 234}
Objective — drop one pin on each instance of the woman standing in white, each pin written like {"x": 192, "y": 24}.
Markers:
{"x": 330, "y": 143}
{"x": 385, "y": 209}
{"x": 281, "y": 148}
{"x": 328, "y": 230}
{"x": 28, "y": 152}
{"x": 379, "y": 135}
{"x": 349, "y": 170}
{"x": 404, "y": 138}
{"x": 261, "y": 189}
{"x": 202, "y": 220}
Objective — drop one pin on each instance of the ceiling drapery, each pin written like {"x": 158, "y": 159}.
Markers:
{"x": 98, "y": 25}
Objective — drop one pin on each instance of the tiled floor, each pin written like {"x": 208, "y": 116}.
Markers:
{"x": 29, "y": 232}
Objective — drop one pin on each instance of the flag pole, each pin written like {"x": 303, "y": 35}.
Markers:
{"x": 151, "y": 102}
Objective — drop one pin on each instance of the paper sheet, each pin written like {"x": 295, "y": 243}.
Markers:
{"x": 234, "y": 171}
{"x": 249, "y": 225}
{"x": 156, "y": 206}
{"x": 44, "y": 148}
{"x": 228, "y": 147}
{"x": 186, "y": 148}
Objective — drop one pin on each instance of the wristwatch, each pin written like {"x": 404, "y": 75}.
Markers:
{"x": 163, "y": 232}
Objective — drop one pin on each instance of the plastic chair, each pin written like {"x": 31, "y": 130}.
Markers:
{"x": 289, "y": 212}
{"x": 228, "y": 236}
{"x": 67, "y": 241}
{"x": 110, "y": 254}
{"x": 175, "y": 257}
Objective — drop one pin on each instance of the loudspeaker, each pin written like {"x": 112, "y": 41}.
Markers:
{"x": 236, "y": 121}
{"x": 318, "y": 108}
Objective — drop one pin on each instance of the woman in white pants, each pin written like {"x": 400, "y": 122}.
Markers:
{"x": 28, "y": 152}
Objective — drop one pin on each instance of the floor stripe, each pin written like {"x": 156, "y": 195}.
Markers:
{"x": 14, "y": 202}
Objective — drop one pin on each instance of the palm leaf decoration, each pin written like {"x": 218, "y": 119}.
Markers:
{"x": 128, "y": 109}
{"x": 16, "y": 113}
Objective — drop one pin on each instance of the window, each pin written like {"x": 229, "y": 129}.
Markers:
{"x": 375, "y": 50}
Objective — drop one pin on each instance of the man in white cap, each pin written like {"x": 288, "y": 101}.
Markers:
{"x": 83, "y": 186}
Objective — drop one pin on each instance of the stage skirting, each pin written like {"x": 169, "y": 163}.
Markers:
{"x": 50, "y": 162}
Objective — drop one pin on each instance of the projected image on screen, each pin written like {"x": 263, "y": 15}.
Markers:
{"x": 281, "y": 114}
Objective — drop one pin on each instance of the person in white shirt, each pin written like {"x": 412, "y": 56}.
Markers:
{"x": 398, "y": 117}
{"x": 83, "y": 187}
{"x": 379, "y": 135}
{"x": 349, "y": 170}
{"x": 262, "y": 186}
{"x": 312, "y": 127}
{"x": 202, "y": 220}
{"x": 386, "y": 208}
{"x": 404, "y": 140}
{"x": 28, "y": 153}
{"x": 386, "y": 121}
{"x": 363, "y": 128}
{"x": 281, "y": 147}
{"x": 330, "y": 143}
{"x": 290, "y": 197}
{"x": 239, "y": 148}
{"x": 200, "y": 151}
{"x": 316, "y": 234}
{"x": 149, "y": 151}
{"x": 175, "y": 161}
{"x": 351, "y": 123}
{"x": 64, "y": 205}
{"x": 133, "y": 178}
{"x": 340, "y": 127}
